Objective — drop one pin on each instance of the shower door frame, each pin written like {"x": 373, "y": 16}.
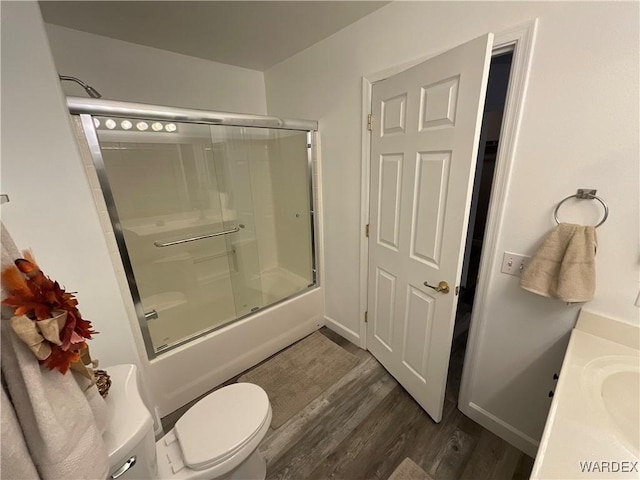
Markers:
{"x": 87, "y": 108}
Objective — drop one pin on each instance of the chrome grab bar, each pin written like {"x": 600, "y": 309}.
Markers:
{"x": 193, "y": 239}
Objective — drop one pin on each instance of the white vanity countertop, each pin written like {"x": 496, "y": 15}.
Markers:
{"x": 593, "y": 427}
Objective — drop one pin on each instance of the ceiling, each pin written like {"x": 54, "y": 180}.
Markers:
{"x": 250, "y": 34}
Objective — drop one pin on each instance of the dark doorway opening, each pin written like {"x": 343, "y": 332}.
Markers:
{"x": 497, "y": 86}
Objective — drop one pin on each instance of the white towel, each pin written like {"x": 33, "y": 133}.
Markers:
{"x": 563, "y": 267}
{"x": 55, "y": 415}
{"x": 15, "y": 461}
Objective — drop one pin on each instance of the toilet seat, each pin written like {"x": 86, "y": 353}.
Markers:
{"x": 130, "y": 434}
{"x": 220, "y": 425}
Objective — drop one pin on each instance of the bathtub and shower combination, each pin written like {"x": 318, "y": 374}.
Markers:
{"x": 214, "y": 215}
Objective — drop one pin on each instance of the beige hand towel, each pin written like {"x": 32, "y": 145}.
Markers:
{"x": 563, "y": 267}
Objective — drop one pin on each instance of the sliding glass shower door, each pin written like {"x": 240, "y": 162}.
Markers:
{"x": 215, "y": 220}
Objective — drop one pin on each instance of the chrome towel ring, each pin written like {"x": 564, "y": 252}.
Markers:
{"x": 584, "y": 194}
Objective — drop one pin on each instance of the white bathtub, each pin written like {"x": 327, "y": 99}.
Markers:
{"x": 178, "y": 376}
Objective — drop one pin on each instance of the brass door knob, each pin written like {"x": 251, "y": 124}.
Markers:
{"x": 443, "y": 287}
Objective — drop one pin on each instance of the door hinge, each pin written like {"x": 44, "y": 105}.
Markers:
{"x": 366, "y": 317}
{"x": 366, "y": 231}
{"x": 370, "y": 122}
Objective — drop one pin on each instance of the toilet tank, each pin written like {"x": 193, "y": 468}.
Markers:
{"x": 129, "y": 434}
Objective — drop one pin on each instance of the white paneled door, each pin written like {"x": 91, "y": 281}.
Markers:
{"x": 426, "y": 128}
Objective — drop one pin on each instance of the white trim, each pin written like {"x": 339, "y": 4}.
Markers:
{"x": 521, "y": 39}
{"x": 319, "y": 218}
{"x": 505, "y": 431}
{"x": 341, "y": 330}
{"x": 319, "y": 215}
{"x": 364, "y": 209}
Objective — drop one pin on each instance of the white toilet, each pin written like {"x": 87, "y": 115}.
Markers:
{"x": 217, "y": 438}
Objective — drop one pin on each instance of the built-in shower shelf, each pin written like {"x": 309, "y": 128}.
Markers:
{"x": 179, "y": 257}
{"x": 164, "y": 301}
{"x": 145, "y": 227}
{"x": 245, "y": 242}
{"x": 213, "y": 277}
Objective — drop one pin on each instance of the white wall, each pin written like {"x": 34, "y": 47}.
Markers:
{"x": 51, "y": 208}
{"x": 580, "y": 129}
{"x": 130, "y": 72}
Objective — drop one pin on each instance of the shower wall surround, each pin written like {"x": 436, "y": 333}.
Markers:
{"x": 199, "y": 211}
{"x": 213, "y": 224}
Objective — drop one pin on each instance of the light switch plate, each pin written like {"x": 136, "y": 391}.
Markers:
{"x": 514, "y": 263}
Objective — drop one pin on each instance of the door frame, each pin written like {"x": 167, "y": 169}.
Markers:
{"x": 519, "y": 39}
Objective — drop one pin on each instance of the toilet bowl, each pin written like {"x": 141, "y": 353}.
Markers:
{"x": 217, "y": 438}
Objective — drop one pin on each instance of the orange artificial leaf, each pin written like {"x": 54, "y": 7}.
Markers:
{"x": 25, "y": 309}
{"x": 35, "y": 277}
{"x": 60, "y": 359}
{"x": 84, "y": 328}
{"x": 27, "y": 267}
{"x": 13, "y": 281}
{"x": 28, "y": 254}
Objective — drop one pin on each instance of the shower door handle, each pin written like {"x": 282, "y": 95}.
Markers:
{"x": 150, "y": 315}
{"x": 158, "y": 243}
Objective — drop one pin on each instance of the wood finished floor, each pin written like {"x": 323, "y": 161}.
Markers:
{"x": 366, "y": 424}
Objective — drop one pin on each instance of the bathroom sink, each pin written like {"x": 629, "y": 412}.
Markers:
{"x": 620, "y": 394}
{"x": 593, "y": 423}
{"x": 617, "y": 392}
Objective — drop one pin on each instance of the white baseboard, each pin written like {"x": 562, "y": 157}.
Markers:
{"x": 505, "y": 431}
{"x": 343, "y": 331}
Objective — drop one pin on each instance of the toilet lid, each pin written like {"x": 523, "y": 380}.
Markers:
{"x": 221, "y": 423}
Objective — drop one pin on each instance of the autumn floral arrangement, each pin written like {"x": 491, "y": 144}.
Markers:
{"x": 47, "y": 319}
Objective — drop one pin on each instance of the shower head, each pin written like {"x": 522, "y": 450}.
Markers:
{"x": 92, "y": 92}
